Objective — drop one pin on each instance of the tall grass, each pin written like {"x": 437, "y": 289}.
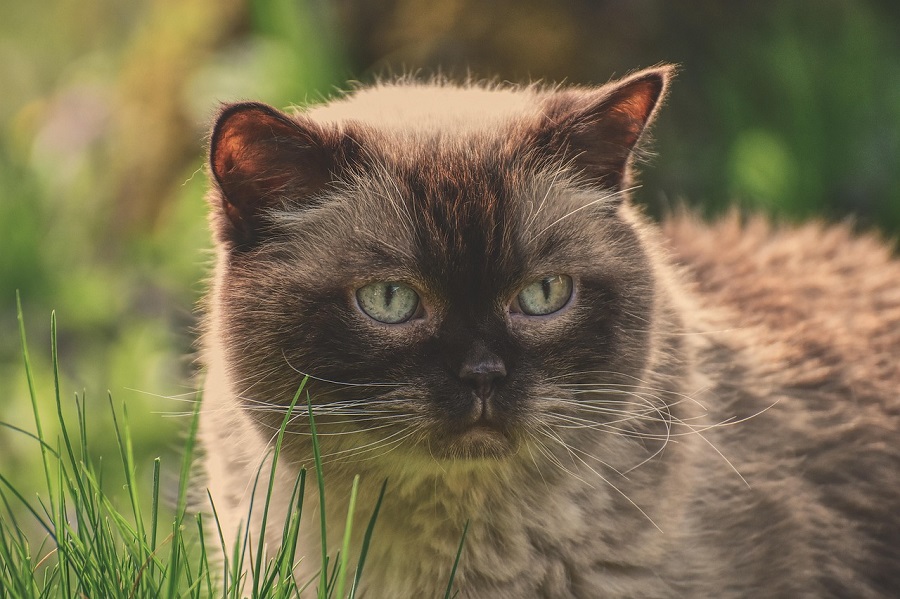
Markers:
{"x": 88, "y": 546}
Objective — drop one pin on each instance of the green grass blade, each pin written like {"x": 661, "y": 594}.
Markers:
{"x": 291, "y": 536}
{"x": 345, "y": 546}
{"x": 81, "y": 412}
{"x": 105, "y": 549}
{"x": 123, "y": 438}
{"x": 12, "y": 521}
{"x": 294, "y": 534}
{"x": 154, "y": 505}
{"x": 154, "y": 509}
{"x": 13, "y": 554}
{"x": 462, "y": 541}
{"x": 367, "y": 539}
{"x": 320, "y": 479}
{"x": 222, "y": 544}
{"x": 64, "y": 486}
{"x": 67, "y": 472}
{"x": 258, "y": 571}
{"x": 45, "y": 525}
{"x": 246, "y": 545}
{"x": 332, "y": 578}
{"x": 292, "y": 530}
{"x": 186, "y": 464}
{"x": 54, "y": 357}
{"x": 33, "y": 394}
{"x": 31, "y": 435}
{"x": 204, "y": 557}
{"x": 283, "y": 566}
{"x": 237, "y": 565}
{"x": 176, "y": 562}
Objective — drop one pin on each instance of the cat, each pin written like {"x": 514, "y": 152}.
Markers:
{"x": 614, "y": 408}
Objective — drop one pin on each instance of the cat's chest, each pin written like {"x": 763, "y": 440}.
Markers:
{"x": 537, "y": 544}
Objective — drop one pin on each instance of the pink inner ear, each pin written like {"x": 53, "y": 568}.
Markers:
{"x": 247, "y": 150}
{"x": 596, "y": 130}
{"x": 262, "y": 158}
{"x": 633, "y": 104}
{"x": 229, "y": 144}
{"x": 639, "y": 100}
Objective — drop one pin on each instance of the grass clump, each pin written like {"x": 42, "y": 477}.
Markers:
{"x": 89, "y": 546}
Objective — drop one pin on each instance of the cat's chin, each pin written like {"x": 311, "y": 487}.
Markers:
{"x": 475, "y": 443}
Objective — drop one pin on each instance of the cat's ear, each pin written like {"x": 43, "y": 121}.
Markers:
{"x": 263, "y": 159}
{"x": 597, "y": 130}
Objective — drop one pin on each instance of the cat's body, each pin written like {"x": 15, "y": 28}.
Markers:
{"x": 709, "y": 412}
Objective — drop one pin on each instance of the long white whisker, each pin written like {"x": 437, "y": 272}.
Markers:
{"x": 603, "y": 198}
{"x": 614, "y": 487}
{"x": 324, "y": 380}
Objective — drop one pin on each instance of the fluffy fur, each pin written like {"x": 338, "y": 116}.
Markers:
{"x": 713, "y": 414}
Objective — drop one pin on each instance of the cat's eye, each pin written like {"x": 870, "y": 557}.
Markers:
{"x": 546, "y": 296}
{"x": 388, "y": 302}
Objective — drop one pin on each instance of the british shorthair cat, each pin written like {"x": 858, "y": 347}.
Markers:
{"x": 616, "y": 408}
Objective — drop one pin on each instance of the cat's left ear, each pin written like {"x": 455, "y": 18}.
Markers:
{"x": 597, "y": 130}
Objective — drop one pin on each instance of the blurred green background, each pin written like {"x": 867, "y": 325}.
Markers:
{"x": 786, "y": 107}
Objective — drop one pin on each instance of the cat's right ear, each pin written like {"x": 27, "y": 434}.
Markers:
{"x": 262, "y": 159}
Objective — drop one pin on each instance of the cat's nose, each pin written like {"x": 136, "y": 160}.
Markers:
{"x": 482, "y": 370}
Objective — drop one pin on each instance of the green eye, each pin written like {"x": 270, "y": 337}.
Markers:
{"x": 390, "y": 303}
{"x": 546, "y": 296}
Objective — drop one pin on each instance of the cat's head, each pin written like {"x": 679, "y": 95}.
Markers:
{"x": 455, "y": 268}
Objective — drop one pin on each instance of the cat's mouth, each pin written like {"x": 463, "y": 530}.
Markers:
{"x": 481, "y": 440}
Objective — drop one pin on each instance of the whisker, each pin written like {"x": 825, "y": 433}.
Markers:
{"x": 363, "y": 447}
{"x": 543, "y": 201}
{"x": 324, "y": 380}
{"x": 353, "y": 454}
{"x": 610, "y": 484}
{"x": 556, "y": 462}
{"x": 573, "y": 450}
{"x": 602, "y": 198}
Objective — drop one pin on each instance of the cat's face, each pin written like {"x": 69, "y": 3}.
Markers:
{"x": 449, "y": 293}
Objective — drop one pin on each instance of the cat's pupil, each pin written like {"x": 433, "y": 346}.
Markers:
{"x": 545, "y": 286}
{"x": 389, "y": 291}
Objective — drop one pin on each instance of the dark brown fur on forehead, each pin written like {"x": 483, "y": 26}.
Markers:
{"x": 473, "y": 201}
{"x": 461, "y": 198}
{"x": 262, "y": 159}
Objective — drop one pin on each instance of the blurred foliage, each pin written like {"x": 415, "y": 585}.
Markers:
{"x": 103, "y": 119}
{"x": 789, "y": 107}
{"x": 792, "y": 108}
